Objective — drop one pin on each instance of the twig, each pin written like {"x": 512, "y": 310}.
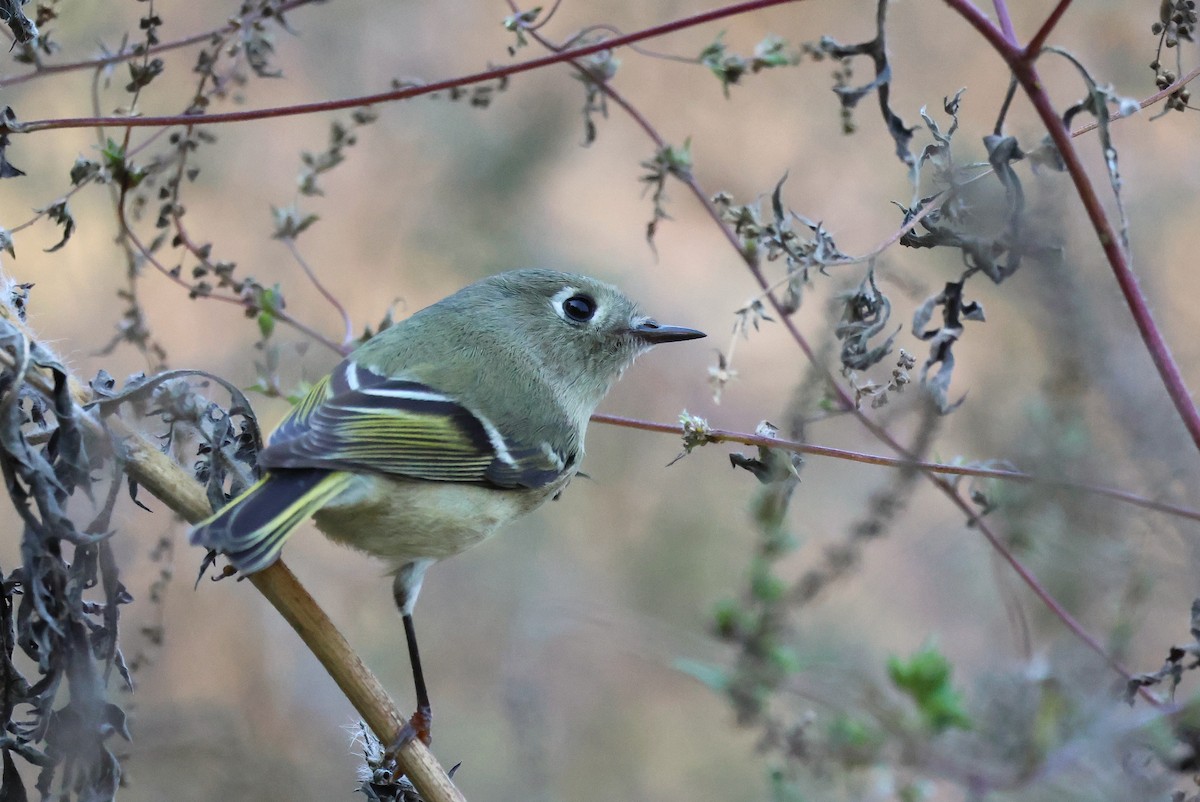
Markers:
{"x": 843, "y": 399}
{"x": 126, "y": 55}
{"x": 229, "y": 299}
{"x": 1001, "y": 474}
{"x": 1039, "y": 39}
{"x": 1150, "y": 101}
{"x": 347, "y": 324}
{"x": 1021, "y": 63}
{"x": 161, "y": 476}
{"x": 408, "y": 91}
{"x": 1006, "y": 25}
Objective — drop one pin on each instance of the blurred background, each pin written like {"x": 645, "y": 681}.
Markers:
{"x": 552, "y": 651}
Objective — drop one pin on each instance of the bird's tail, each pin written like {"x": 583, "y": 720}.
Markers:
{"x": 251, "y": 529}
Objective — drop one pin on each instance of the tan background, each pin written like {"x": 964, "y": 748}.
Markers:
{"x": 550, "y": 650}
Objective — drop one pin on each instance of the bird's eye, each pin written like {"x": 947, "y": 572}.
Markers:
{"x": 579, "y": 308}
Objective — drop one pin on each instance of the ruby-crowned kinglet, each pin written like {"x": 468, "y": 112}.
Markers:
{"x": 441, "y": 428}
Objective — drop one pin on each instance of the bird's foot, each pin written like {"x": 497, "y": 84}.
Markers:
{"x": 415, "y": 728}
{"x": 422, "y": 724}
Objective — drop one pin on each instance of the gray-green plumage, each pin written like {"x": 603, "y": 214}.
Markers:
{"x": 443, "y": 427}
{"x": 529, "y": 370}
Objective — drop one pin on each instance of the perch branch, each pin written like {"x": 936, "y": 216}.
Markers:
{"x": 161, "y": 476}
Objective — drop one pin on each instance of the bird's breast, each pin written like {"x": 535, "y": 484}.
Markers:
{"x": 404, "y": 520}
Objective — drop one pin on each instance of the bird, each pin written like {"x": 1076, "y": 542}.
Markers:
{"x": 440, "y": 429}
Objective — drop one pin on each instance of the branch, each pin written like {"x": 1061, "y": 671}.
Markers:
{"x": 132, "y": 53}
{"x": 995, "y": 37}
{"x": 161, "y": 476}
{"x": 1162, "y": 94}
{"x": 1006, "y": 25}
{"x": 241, "y": 301}
{"x": 1039, "y": 39}
{"x": 1001, "y": 474}
{"x": 843, "y": 398}
{"x": 398, "y": 94}
{"x": 1021, "y": 62}
{"x": 347, "y": 323}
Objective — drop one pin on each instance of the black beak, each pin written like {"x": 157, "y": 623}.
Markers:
{"x": 650, "y": 332}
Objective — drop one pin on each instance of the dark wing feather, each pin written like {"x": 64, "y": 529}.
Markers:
{"x": 359, "y": 420}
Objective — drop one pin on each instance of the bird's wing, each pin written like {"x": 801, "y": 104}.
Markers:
{"x": 359, "y": 420}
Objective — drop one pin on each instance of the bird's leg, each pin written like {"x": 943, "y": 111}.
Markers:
{"x": 422, "y": 720}
{"x": 405, "y": 589}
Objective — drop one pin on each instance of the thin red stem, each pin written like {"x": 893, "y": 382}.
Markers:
{"x": 1019, "y": 60}
{"x": 1006, "y": 25}
{"x": 1150, "y": 101}
{"x": 1135, "y": 299}
{"x": 1002, "y": 474}
{"x": 280, "y": 315}
{"x": 1039, "y": 590}
{"x": 973, "y": 516}
{"x": 406, "y": 92}
{"x": 347, "y": 323}
{"x": 130, "y": 53}
{"x": 1039, "y": 39}
{"x": 846, "y": 403}
{"x": 986, "y": 28}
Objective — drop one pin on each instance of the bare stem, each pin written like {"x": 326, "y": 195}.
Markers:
{"x": 974, "y": 471}
{"x": 1006, "y": 25}
{"x": 1039, "y": 39}
{"x": 128, "y": 54}
{"x": 406, "y": 92}
{"x": 146, "y": 464}
{"x": 843, "y": 398}
{"x": 280, "y": 586}
{"x": 347, "y": 324}
{"x": 1034, "y": 584}
{"x": 145, "y": 252}
{"x": 1020, "y": 60}
{"x": 1150, "y": 101}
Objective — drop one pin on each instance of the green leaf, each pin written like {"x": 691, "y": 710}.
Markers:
{"x": 122, "y": 171}
{"x": 925, "y": 678}
{"x": 270, "y": 303}
{"x": 766, "y": 586}
{"x": 517, "y": 23}
{"x": 271, "y": 299}
{"x": 771, "y": 52}
{"x": 784, "y": 789}
{"x": 728, "y": 617}
{"x": 729, "y": 68}
{"x": 785, "y": 659}
{"x": 266, "y": 323}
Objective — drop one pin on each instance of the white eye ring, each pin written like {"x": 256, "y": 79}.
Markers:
{"x": 580, "y": 308}
{"x": 574, "y": 305}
